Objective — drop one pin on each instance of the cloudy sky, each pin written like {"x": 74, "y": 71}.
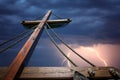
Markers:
{"x": 94, "y": 31}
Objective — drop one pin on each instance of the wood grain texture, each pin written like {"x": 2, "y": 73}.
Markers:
{"x": 22, "y": 54}
{"x": 59, "y": 73}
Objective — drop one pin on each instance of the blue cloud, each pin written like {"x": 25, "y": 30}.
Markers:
{"x": 98, "y": 20}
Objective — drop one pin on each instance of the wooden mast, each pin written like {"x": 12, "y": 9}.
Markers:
{"x": 50, "y": 73}
{"x": 19, "y": 59}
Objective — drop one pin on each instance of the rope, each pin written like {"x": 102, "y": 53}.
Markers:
{"x": 57, "y": 16}
{"x": 15, "y": 37}
{"x": 69, "y": 46}
{"x": 18, "y": 41}
{"x": 53, "y": 41}
{"x": 39, "y": 17}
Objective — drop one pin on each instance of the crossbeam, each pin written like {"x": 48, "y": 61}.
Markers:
{"x": 48, "y": 21}
{"x": 53, "y": 23}
{"x": 61, "y": 73}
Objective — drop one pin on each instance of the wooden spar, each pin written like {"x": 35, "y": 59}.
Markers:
{"x": 49, "y": 21}
{"x": 53, "y": 23}
{"x": 62, "y": 73}
{"x": 19, "y": 59}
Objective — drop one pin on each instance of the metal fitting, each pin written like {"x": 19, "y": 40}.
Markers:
{"x": 91, "y": 72}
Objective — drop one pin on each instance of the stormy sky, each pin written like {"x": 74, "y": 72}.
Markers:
{"x": 95, "y": 23}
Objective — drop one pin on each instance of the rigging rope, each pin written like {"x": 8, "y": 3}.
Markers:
{"x": 57, "y": 16}
{"x": 53, "y": 41}
{"x": 13, "y": 44}
{"x": 25, "y": 35}
{"x": 39, "y": 17}
{"x": 69, "y": 46}
{"x": 15, "y": 37}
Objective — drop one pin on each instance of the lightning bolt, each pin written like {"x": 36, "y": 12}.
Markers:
{"x": 88, "y": 49}
{"x": 98, "y": 55}
{"x": 68, "y": 63}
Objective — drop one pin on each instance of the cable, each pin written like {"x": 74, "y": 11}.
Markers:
{"x": 13, "y": 44}
{"x": 15, "y": 37}
{"x": 53, "y": 41}
{"x": 69, "y": 46}
{"x": 57, "y": 16}
{"x": 39, "y": 17}
{"x": 18, "y": 41}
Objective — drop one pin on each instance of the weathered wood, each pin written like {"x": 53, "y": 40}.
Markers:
{"x": 52, "y": 23}
{"x": 49, "y": 21}
{"x": 19, "y": 59}
{"x": 59, "y": 73}
{"x": 3, "y": 71}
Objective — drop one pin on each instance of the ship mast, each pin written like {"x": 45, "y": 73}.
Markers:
{"x": 22, "y": 54}
{"x": 16, "y": 71}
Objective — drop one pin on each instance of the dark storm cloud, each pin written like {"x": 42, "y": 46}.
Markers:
{"x": 97, "y": 20}
{"x": 45, "y": 54}
{"x": 89, "y": 18}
